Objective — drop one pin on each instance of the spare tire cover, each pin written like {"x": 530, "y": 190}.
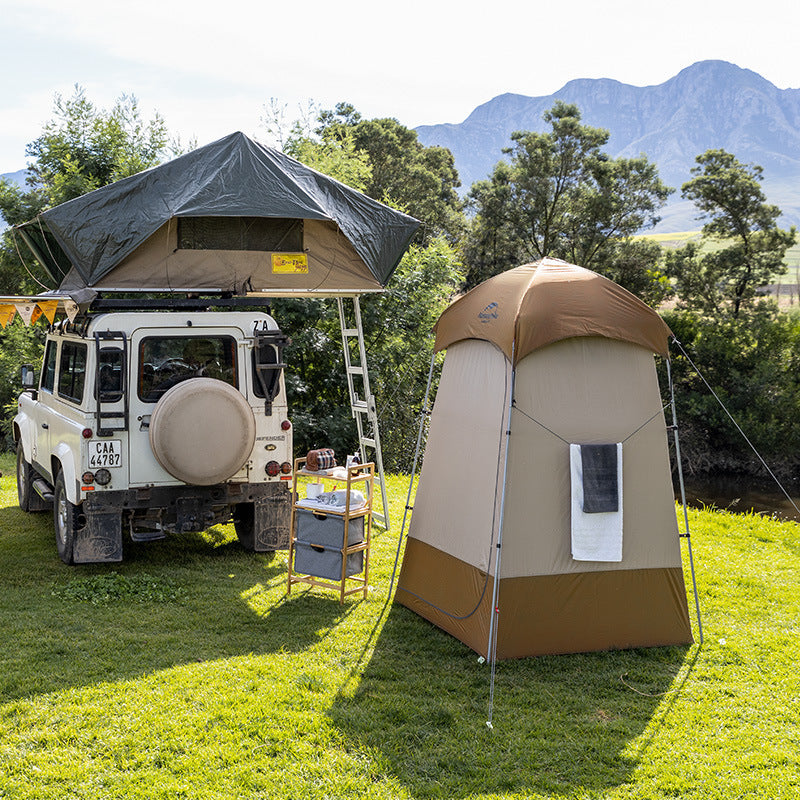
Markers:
{"x": 202, "y": 431}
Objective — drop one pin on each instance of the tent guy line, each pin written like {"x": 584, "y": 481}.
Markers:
{"x": 629, "y": 436}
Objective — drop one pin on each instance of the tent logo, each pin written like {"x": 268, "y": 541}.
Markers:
{"x": 489, "y": 313}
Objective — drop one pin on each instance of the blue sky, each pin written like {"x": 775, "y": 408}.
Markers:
{"x": 212, "y": 69}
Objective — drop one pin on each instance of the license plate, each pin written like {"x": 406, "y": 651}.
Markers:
{"x": 105, "y": 453}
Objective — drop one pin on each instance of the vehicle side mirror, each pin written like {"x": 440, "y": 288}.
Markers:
{"x": 28, "y": 376}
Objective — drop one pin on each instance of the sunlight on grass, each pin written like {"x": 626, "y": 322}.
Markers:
{"x": 186, "y": 672}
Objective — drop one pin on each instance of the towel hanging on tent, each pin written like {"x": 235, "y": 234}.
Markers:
{"x": 596, "y": 505}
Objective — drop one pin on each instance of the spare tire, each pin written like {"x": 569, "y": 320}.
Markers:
{"x": 202, "y": 431}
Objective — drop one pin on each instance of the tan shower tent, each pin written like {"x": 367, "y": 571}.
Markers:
{"x": 542, "y": 362}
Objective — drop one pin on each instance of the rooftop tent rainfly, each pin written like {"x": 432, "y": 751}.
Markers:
{"x": 233, "y": 216}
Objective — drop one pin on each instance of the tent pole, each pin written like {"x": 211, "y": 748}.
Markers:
{"x": 424, "y": 413}
{"x": 686, "y": 535}
{"x": 495, "y": 611}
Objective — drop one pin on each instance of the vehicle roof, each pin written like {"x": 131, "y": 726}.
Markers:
{"x": 184, "y": 321}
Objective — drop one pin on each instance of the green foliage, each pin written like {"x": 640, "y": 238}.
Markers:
{"x": 561, "y": 195}
{"x": 80, "y": 149}
{"x": 753, "y": 364}
{"x": 337, "y": 155}
{"x": 727, "y": 279}
{"x": 398, "y": 328}
{"x": 234, "y": 689}
{"x": 83, "y": 148}
{"x": 422, "y": 181}
{"x": 18, "y": 345}
{"x": 113, "y": 587}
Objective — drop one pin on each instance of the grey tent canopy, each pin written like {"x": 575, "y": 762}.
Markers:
{"x": 232, "y": 216}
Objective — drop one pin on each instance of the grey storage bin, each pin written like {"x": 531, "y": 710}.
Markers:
{"x": 327, "y": 530}
{"x": 325, "y": 562}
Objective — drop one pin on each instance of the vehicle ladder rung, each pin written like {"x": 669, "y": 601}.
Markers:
{"x": 361, "y": 407}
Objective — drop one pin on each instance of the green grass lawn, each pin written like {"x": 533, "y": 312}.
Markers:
{"x": 670, "y": 240}
{"x": 185, "y": 672}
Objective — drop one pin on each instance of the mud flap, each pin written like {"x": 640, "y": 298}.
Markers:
{"x": 271, "y": 524}
{"x": 100, "y": 539}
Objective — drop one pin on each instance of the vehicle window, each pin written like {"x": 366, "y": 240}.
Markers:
{"x": 109, "y": 375}
{"x": 72, "y": 371}
{"x": 167, "y": 360}
{"x": 49, "y": 368}
{"x": 270, "y": 377}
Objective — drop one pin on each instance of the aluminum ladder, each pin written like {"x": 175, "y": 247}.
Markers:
{"x": 362, "y": 403}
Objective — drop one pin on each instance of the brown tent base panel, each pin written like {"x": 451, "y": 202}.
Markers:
{"x": 546, "y": 614}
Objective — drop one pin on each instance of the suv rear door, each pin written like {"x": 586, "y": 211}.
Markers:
{"x": 161, "y": 359}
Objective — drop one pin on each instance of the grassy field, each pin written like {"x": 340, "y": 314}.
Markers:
{"x": 185, "y": 672}
{"x": 792, "y": 259}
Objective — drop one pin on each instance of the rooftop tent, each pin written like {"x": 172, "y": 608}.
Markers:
{"x": 233, "y": 216}
{"x": 543, "y": 363}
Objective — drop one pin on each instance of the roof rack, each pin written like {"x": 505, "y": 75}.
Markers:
{"x": 175, "y": 303}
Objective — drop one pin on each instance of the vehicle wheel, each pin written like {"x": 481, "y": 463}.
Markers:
{"x": 65, "y": 516}
{"x": 24, "y": 480}
{"x": 202, "y": 431}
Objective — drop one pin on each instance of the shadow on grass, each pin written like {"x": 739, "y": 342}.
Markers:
{"x": 561, "y": 723}
{"x": 188, "y": 598}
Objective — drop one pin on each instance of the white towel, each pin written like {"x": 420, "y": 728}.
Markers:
{"x": 595, "y": 537}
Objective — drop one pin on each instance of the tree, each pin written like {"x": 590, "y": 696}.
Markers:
{"x": 561, "y": 195}
{"x": 80, "y": 149}
{"x": 398, "y": 324}
{"x": 743, "y": 247}
{"x": 421, "y": 181}
{"x": 398, "y": 329}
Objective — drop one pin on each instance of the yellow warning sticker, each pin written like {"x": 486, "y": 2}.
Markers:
{"x": 289, "y": 264}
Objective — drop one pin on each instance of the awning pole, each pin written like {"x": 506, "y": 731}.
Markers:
{"x": 686, "y": 535}
{"x": 495, "y": 611}
{"x": 423, "y": 414}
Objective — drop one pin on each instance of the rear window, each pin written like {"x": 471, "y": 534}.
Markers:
{"x": 167, "y": 360}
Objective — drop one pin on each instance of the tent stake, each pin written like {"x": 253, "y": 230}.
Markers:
{"x": 422, "y": 416}
{"x": 495, "y": 610}
{"x": 687, "y": 535}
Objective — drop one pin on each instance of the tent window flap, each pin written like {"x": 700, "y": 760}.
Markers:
{"x": 240, "y": 233}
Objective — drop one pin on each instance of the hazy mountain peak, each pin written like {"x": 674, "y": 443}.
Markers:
{"x": 710, "y": 104}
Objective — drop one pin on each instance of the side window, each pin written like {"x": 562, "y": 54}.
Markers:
{"x": 167, "y": 360}
{"x": 72, "y": 371}
{"x": 49, "y": 368}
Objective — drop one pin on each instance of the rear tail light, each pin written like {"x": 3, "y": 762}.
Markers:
{"x": 87, "y": 477}
{"x": 87, "y": 433}
{"x": 285, "y": 425}
{"x": 286, "y": 468}
{"x": 273, "y": 468}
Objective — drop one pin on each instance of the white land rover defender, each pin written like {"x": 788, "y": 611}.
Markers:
{"x": 151, "y": 422}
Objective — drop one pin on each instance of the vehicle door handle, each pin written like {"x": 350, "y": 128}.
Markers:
{"x": 45, "y": 426}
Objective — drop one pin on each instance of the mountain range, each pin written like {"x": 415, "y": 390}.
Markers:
{"x": 711, "y": 104}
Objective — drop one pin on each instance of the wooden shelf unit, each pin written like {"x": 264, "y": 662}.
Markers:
{"x": 360, "y": 475}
